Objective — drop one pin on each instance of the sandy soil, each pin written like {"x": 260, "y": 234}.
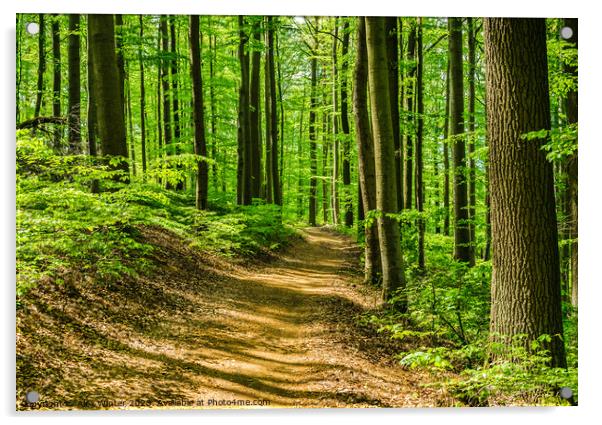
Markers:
{"x": 204, "y": 331}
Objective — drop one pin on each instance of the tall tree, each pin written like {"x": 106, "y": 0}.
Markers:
{"x": 334, "y": 186}
{"x": 165, "y": 91}
{"x": 393, "y": 61}
{"x": 273, "y": 166}
{"x": 446, "y": 183}
{"x": 410, "y": 81}
{"x": 393, "y": 277}
{"x": 456, "y": 132}
{"x": 472, "y": 197}
{"x": 74, "y": 108}
{"x": 572, "y": 167}
{"x": 254, "y": 109}
{"x": 244, "y": 151}
{"x": 365, "y": 149}
{"x": 41, "y": 64}
{"x": 200, "y": 145}
{"x": 142, "y": 98}
{"x": 419, "y": 142}
{"x": 345, "y": 126}
{"x": 313, "y": 165}
{"x": 525, "y": 286}
{"x": 56, "y": 75}
{"x": 173, "y": 69}
{"x": 105, "y": 75}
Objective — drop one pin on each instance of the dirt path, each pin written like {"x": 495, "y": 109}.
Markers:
{"x": 280, "y": 332}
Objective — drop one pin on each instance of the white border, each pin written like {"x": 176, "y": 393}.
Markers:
{"x": 589, "y": 190}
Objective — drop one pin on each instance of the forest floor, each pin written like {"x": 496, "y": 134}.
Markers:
{"x": 281, "y": 332}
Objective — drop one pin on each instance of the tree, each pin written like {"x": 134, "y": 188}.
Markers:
{"x": 74, "y": 108}
{"x": 345, "y": 127}
{"x": 525, "y": 286}
{"x": 393, "y": 60}
{"x": 41, "y": 64}
{"x": 142, "y": 99}
{"x": 365, "y": 149}
{"x": 419, "y": 142}
{"x": 272, "y": 166}
{"x": 200, "y": 145}
{"x": 456, "y": 132}
{"x": 56, "y": 75}
{"x": 244, "y": 150}
{"x": 105, "y": 75}
{"x": 472, "y": 197}
{"x": 384, "y": 156}
{"x": 164, "y": 76}
{"x": 254, "y": 110}
{"x": 409, "y": 102}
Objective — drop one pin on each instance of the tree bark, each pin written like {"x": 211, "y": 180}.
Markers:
{"x": 312, "y": 142}
{"x": 384, "y": 154}
{"x": 525, "y": 286}
{"x": 165, "y": 91}
{"x": 345, "y": 127}
{"x": 365, "y": 149}
{"x": 409, "y": 102}
{"x": 334, "y": 185}
{"x": 41, "y": 65}
{"x": 456, "y": 131}
{"x": 419, "y": 137}
{"x": 393, "y": 61}
{"x": 142, "y": 99}
{"x": 446, "y": 182}
{"x": 74, "y": 108}
{"x": 472, "y": 198}
{"x": 110, "y": 117}
{"x": 200, "y": 144}
{"x": 56, "y": 76}
{"x": 254, "y": 114}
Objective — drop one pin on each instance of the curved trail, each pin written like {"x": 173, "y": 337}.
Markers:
{"x": 200, "y": 328}
{"x": 273, "y": 336}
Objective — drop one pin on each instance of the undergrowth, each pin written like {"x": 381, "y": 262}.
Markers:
{"x": 62, "y": 225}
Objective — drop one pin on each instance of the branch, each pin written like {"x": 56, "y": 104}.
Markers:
{"x": 38, "y": 121}
{"x": 436, "y": 42}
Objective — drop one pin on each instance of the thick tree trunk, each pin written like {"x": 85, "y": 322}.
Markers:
{"x": 525, "y": 286}
{"x": 393, "y": 61}
{"x": 384, "y": 154}
{"x": 74, "y": 108}
{"x": 254, "y": 114}
{"x": 109, "y": 107}
{"x": 56, "y": 76}
{"x": 419, "y": 137}
{"x": 273, "y": 104}
{"x": 243, "y": 171}
{"x": 165, "y": 91}
{"x": 456, "y": 131}
{"x": 365, "y": 149}
{"x": 267, "y": 107}
{"x": 200, "y": 145}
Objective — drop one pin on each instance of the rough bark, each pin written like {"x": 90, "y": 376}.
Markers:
{"x": 200, "y": 144}
{"x": 74, "y": 107}
{"x": 345, "y": 127}
{"x": 109, "y": 106}
{"x": 56, "y": 76}
{"x": 384, "y": 155}
{"x": 525, "y": 287}
{"x": 419, "y": 137}
{"x": 456, "y": 132}
{"x": 365, "y": 149}
{"x": 409, "y": 112}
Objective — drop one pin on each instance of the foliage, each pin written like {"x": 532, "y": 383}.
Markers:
{"x": 61, "y": 225}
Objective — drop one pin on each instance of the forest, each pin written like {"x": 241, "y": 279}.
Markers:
{"x": 288, "y": 211}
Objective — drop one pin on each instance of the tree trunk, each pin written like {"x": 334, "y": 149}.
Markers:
{"x": 472, "y": 198}
{"x": 56, "y": 74}
{"x": 409, "y": 101}
{"x": 312, "y": 142}
{"x": 365, "y": 149}
{"x": 74, "y": 108}
{"x": 254, "y": 114}
{"x": 142, "y": 100}
{"x": 393, "y": 61}
{"x": 572, "y": 170}
{"x": 167, "y": 139}
{"x": 41, "y": 65}
{"x": 384, "y": 154}
{"x": 110, "y": 118}
{"x": 456, "y": 131}
{"x": 200, "y": 145}
{"x": 334, "y": 197}
{"x": 345, "y": 127}
{"x": 174, "y": 93}
{"x": 446, "y": 158}
{"x": 419, "y": 137}
{"x": 244, "y": 170}
{"x": 214, "y": 151}
{"x": 267, "y": 106}
{"x": 525, "y": 286}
